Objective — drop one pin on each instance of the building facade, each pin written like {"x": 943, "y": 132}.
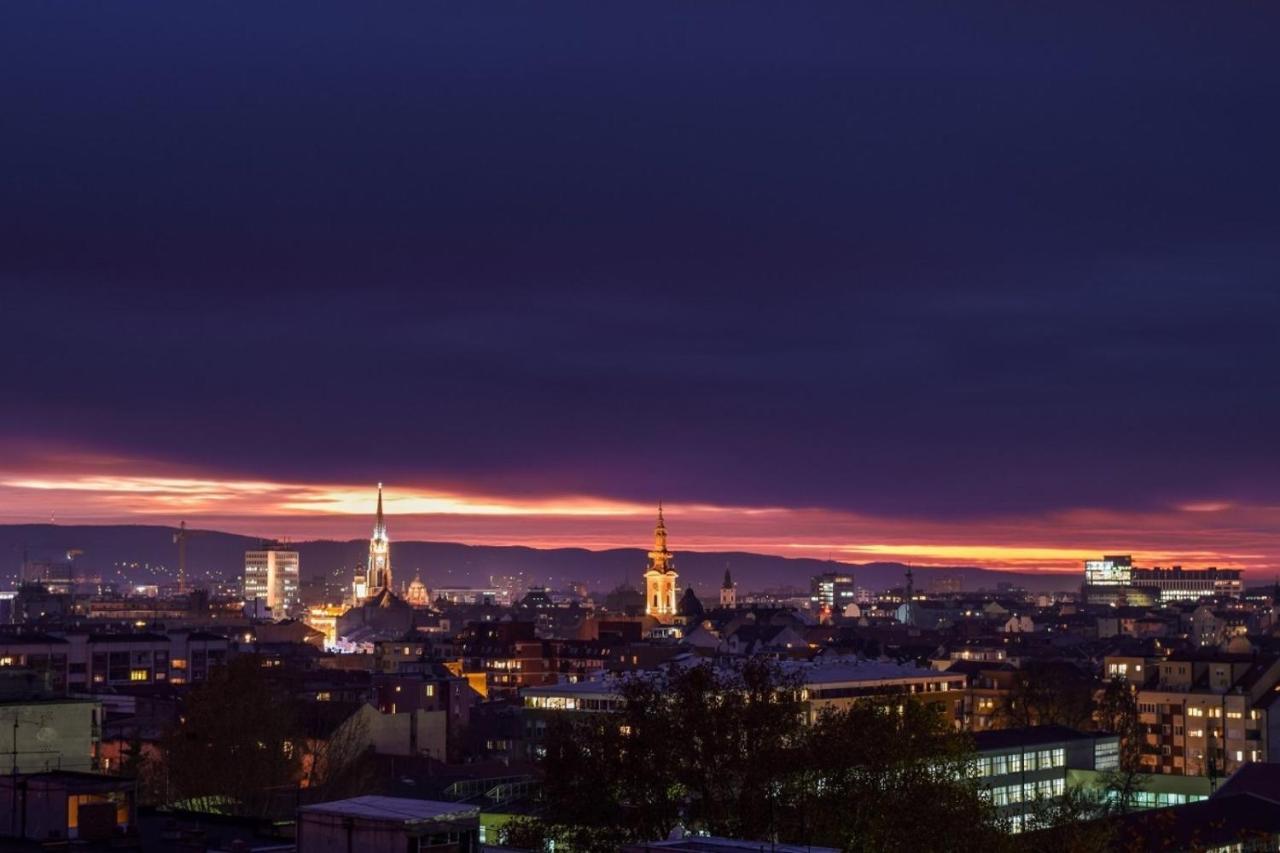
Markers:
{"x": 1116, "y": 580}
{"x": 271, "y": 574}
{"x": 832, "y": 591}
{"x": 86, "y": 663}
{"x": 1208, "y": 714}
{"x": 1019, "y": 767}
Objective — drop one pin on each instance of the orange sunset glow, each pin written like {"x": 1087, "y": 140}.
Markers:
{"x": 82, "y": 488}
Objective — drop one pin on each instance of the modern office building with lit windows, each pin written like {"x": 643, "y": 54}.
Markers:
{"x": 1020, "y": 766}
{"x": 833, "y": 591}
{"x": 1116, "y": 580}
{"x": 272, "y": 574}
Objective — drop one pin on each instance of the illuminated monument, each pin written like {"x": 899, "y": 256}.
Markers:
{"x": 377, "y": 613}
{"x": 378, "y": 569}
{"x": 660, "y": 578}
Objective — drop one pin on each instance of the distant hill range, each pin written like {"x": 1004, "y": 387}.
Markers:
{"x": 106, "y": 547}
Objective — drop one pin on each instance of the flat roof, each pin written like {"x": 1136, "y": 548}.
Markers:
{"x": 1031, "y": 736}
{"x": 822, "y": 674}
{"x": 403, "y": 809}
{"x": 868, "y": 670}
{"x": 706, "y": 844}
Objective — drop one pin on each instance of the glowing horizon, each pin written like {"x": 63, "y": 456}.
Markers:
{"x": 83, "y": 488}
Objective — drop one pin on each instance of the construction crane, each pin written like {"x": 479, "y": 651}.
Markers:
{"x": 180, "y": 537}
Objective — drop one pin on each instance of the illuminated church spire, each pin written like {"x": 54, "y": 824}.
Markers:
{"x": 378, "y": 569}
{"x": 660, "y": 557}
{"x": 660, "y": 577}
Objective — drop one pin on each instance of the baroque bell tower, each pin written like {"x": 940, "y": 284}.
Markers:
{"x": 660, "y": 578}
{"x": 378, "y": 569}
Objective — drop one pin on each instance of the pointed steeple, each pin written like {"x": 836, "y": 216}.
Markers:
{"x": 378, "y": 571}
{"x": 728, "y": 581}
{"x": 660, "y": 532}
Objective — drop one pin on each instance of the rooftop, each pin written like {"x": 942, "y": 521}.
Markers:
{"x": 710, "y": 844}
{"x": 992, "y": 741}
{"x": 400, "y": 809}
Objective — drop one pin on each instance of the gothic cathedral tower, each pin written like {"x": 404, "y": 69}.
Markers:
{"x": 378, "y": 571}
{"x": 660, "y": 578}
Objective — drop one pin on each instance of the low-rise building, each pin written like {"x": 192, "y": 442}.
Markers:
{"x": 387, "y": 825}
{"x": 1020, "y": 766}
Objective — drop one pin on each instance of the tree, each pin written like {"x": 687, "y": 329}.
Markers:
{"x": 1051, "y": 693}
{"x": 341, "y": 764}
{"x": 1118, "y": 713}
{"x": 235, "y": 746}
{"x": 872, "y": 772}
{"x": 1073, "y": 822}
{"x": 728, "y": 752}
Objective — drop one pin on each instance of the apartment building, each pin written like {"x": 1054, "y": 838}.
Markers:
{"x": 1209, "y": 713}
{"x": 88, "y": 662}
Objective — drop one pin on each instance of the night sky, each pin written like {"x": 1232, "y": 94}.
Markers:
{"x": 983, "y": 283}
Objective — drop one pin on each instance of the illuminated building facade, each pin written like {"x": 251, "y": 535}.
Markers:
{"x": 833, "y": 591}
{"x": 1208, "y": 713}
{"x": 418, "y": 594}
{"x": 378, "y": 569}
{"x": 1115, "y": 580}
{"x": 271, "y": 574}
{"x": 1112, "y": 570}
{"x": 660, "y": 578}
{"x": 83, "y": 662}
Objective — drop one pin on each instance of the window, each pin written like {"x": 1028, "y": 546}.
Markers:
{"x": 139, "y": 675}
{"x": 1195, "y": 712}
{"x": 1106, "y": 755}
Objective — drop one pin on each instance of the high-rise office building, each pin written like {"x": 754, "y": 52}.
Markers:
{"x": 272, "y": 574}
{"x": 833, "y": 591}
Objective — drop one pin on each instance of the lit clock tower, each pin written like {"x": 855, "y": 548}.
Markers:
{"x": 660, "y": 578}
{"x": 378, "y": 569}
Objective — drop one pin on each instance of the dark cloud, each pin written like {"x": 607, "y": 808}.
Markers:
{"x": 916, "y": 260}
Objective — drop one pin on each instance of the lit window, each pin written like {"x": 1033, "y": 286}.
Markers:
{"x": 139, "y": 675}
